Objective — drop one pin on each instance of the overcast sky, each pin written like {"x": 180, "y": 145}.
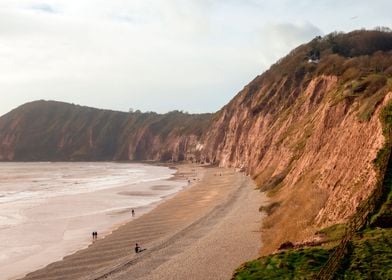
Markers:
{"x": 158, "y": 55}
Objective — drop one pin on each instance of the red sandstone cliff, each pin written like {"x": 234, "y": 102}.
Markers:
{"x": 309, "y": 132}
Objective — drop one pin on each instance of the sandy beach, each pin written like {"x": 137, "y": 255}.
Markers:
{"x": 203, "y": 232}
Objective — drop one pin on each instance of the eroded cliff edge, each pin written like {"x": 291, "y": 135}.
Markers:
{"x": 307, "y": 130}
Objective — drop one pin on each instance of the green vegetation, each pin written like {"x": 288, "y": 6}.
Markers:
{"x": 349, "y": 55}
{"x": 369, "y": 91}
{"x": 333, "y": 233}
{"x": 369, "y": 257}
{"x": 384, "y": 216}
{"x": 292, "y": 264}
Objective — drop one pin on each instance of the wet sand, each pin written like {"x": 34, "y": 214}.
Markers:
{"x": 203, "y": 232}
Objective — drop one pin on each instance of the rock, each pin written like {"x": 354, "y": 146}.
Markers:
{"x": 286, "y": 245}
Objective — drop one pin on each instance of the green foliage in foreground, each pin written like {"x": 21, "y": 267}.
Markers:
{"x": 370, "y": 257}
{"x": 293, "y": 264}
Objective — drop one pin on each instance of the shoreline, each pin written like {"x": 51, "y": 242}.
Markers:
{"x": 201, "y": 213}
{"x": 72, "y": 234}
{"x": 141, "y": 211}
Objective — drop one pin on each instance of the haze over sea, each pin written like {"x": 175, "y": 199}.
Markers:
{"x": 48, "y": 210}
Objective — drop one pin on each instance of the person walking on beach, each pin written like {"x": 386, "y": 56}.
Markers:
{"x": 133, "y": 213}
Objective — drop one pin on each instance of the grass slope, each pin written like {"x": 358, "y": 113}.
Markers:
{"x": 369, "y": 257}
{"x": 293, "y": 264}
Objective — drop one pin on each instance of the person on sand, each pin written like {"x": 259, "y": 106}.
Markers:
{"x": 133, "y": 213}
{"x": 138, "y": 249}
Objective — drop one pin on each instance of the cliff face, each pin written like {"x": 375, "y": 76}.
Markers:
{"x": 317, "y": 161}
{"x": 47, "y": 130}
{"x": 308, "y": 130}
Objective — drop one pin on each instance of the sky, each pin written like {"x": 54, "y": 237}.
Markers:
{"x": 158, "y": 55}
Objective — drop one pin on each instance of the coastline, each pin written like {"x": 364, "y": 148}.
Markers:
{"x": 198, "y": 221}
{"x": 178, "y": 177}
{"x": 39, "y": 244}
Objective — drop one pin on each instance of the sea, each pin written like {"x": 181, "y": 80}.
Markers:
{"x": 49, "y": 210}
